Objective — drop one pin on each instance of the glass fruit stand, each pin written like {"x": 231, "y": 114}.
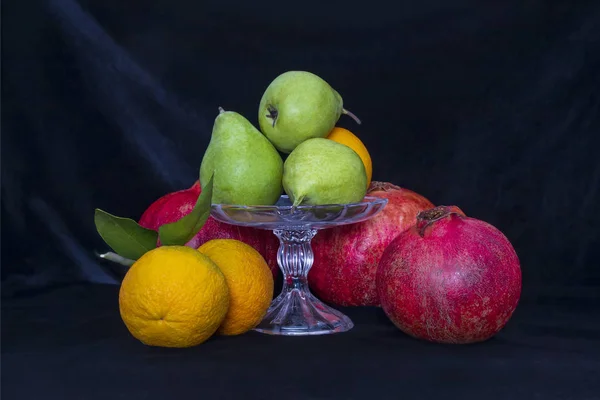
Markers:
{"x": 296, "y": 311}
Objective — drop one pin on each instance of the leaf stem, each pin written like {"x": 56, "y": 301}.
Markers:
{"x": 114, "y": 257}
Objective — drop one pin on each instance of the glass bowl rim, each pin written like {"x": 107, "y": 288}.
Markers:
{"x": 366, "y": 200}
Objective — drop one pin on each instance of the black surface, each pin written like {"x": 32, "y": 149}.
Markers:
{"x": 489, "y": 105}
{"x": 70, "y": 343}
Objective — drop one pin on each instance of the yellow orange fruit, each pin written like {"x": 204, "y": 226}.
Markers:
{"x": 344, "y": 136}
{"x": 173, "y": 296}
{"x": 249, "y": 279}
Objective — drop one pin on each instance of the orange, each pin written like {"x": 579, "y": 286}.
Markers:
{"x": 173, "y": 296}
{"x": 344, "y": 136}
{"x": 250, "y": 283}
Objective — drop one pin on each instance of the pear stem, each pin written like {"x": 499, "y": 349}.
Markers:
{"x": 298, "y": 201}
{"x": 221, "y": 111}
{"x": 354, "y": 117}
{"x": 273, "y": 114}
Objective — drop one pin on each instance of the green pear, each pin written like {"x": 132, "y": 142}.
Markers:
{"x": 299, "y": 105}
{"x": 320, "y": 171}
{"x": 246, "y": 166}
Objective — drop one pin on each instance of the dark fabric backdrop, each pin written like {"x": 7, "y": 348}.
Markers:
{"x": 489, "y": 105}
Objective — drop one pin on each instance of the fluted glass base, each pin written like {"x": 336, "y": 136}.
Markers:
{"x": 296, "y": 311}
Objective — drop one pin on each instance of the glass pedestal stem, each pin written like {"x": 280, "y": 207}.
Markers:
{"x": 295, "y": 257}
{"x": 296, "y": 311}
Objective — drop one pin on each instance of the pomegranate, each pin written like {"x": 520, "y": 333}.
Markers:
{"x": 347, "y": 256}
{"x": 173, "y": 206}
{"x": 449, "y": 278}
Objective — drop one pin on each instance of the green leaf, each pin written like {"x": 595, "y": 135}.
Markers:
{"x": 124, "y": 235}
{"x": 184, "y": 229}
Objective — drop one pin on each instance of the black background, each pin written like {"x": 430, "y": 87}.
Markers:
{"x": 492, "y": 106}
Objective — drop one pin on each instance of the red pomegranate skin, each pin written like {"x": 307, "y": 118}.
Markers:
{"x": 449, "y": 278}
{"x": 173, "y": 206}
{"x": 170, "y": 207}
{"x": 347, "y": 256}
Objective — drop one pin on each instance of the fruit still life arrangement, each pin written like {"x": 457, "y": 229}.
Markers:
{"x": 436, "y": 273}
